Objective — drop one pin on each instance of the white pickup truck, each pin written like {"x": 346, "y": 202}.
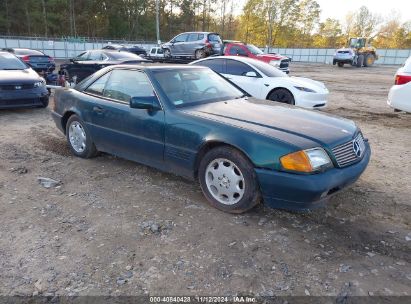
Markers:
{"x": 156, "y": 52}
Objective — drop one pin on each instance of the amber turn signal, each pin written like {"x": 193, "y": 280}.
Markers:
{"x": 297, "y": 161}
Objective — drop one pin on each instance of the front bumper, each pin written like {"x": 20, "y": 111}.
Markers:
{"x": 24, "y": 99}
{"x": 343, "y": 60}
{"x": 311, "y": 100}
{"x": 58, "y": 120}
{"x": 398, "y": 97}
{"x": 303, "y": 192}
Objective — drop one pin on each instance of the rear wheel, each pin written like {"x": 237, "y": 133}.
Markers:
{"x": 282, "y": 95}
{"x": 340, "y": 64}
{"x": 360, "y": 61}
{"x": 369, "y": 60}
{"x": 199, "y": 54}
{"x": 79, "y": 138}
{"x": 228, "y": 180}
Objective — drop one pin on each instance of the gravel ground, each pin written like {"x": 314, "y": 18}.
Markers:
{"x": 114, "y": 227}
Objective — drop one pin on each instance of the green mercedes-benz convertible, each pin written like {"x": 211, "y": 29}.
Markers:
{"x": 190, "y": 121}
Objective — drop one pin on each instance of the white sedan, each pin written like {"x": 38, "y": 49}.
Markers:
{"x": 264, "y": 81}
{"x": 399, "y": 97}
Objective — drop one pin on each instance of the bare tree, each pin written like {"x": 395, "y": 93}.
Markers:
{"x": 44, "y": 11}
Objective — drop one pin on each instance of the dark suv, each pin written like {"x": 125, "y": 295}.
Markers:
{"x": 193, "y": 44}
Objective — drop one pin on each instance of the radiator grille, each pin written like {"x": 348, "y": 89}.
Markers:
{"x": 350, "y": 152}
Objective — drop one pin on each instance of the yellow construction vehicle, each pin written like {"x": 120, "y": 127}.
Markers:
{"x": 358, "y": 53}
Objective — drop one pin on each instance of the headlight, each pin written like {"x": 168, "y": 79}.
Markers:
{"x": 275, "y": 63}
{"x": 39, "y": 83}
{"x": 310, "y": 160}
{"x": 304, "y": 89}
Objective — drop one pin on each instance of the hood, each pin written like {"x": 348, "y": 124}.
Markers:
{"x": 269, "y": 57}
{"x": 344, "y": 49}
{"x": 298, "y": 127}
{"x": 18, "y": 76}
{"x": 307, "y": 83}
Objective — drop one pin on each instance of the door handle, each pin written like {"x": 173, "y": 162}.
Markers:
{"x": 98, "y": 110}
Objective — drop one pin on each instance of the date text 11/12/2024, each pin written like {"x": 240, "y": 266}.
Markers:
{"x": 200, "y": 299}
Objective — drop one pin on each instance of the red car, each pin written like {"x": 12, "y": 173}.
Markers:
{"x": 249, "y": 50}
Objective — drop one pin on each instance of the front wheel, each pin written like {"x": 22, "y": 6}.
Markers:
{"x": 167, "y": 53}
{"x": 228, "y": 180}
{"x": 341, "y": 64}
{"x": 369, "y": 60}
{"x": 79, "y": 138}
{"x": 282, "y": 95}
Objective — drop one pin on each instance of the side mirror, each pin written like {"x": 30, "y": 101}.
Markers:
{"x": 144, "y": 102}
{"x": 251, "y": 74}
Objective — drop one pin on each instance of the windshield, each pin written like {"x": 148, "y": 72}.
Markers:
{"x": 123, "y": 55}
{"x": 11, "y": 62}
{"x": 195, "y": 86}
{"x": 253, "y": 49}
{"x": 267, "y": 69}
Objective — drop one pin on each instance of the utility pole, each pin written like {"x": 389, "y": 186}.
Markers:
{"x": 158, "y": 21}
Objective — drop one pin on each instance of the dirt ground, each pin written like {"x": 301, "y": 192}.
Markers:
{"x": 114, "y": 227}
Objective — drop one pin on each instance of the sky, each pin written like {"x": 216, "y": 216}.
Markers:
{"x": 338, "y": 9}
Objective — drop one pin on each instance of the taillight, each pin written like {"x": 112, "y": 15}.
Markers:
{"x": 26, "y": 58}
{"x": 208, "y": 44}
{"x": 402, "y": 79}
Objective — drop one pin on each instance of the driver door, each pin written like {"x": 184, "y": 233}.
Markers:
{"x": 236, "y": 71}
{"x": 177, "y": 47}
{"x": 136, "y": 134}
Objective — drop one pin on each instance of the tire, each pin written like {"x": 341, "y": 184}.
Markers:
{"x": 369, "y": 60}
{"x": 89, "y": 150}
{"x": 282, "y": 95}
{"x": 199, "y": 54}
{"x": 167, "y": 53}
{"x": 341, "y": 64}
{"x": 224, "y": 167}
{"x": 45, "y": 103}
{"x": 360, "y": 61}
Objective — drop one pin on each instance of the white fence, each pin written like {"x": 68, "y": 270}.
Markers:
{"x": 386, "y": 56}
{"x": 68, "y": 48}
{"x": 63, "y": 48}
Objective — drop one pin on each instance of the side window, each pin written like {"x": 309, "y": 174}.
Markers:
{"x": 237, "y": 50}
{"x": 153, "y": 51}
{"x": 95, "y": 56}
{"x": 181, "y": 38}
{"x": 200, "y": 36}
{"x": 124, "y": 84}
{"x": 193, "y": 37}
{"x": 238, "y": 68}
{"x": 217, "y": 65}
{"x": 97, "y": 87}
{"x": 160, "y": 51}
{"x": 242, "y": 51}
{"x": 233, "y": 50}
